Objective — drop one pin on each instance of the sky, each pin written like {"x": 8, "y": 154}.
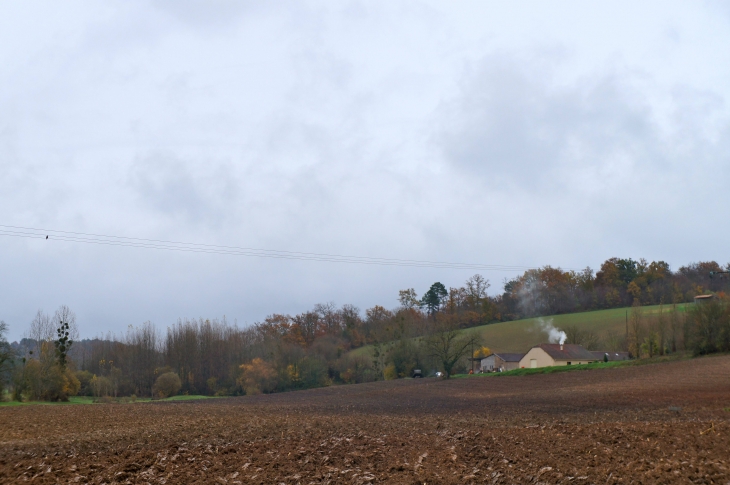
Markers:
{"x": 499, "y": 133}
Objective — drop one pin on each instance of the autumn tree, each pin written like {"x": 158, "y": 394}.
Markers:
{"x": 482, "y": 352}
{"x": 408, "y": 298}
{"x": 45, "y": 373}
{"x": 476, "y": 297}
{"x": 258, "y": 376}
{"x": 378, "y": 325}
{"x": 43, "y": 379}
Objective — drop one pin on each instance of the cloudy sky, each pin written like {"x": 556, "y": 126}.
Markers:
{"x": 501, "y": 133}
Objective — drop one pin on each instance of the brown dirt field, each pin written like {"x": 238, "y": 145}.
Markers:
{"x": 602, "y": 426}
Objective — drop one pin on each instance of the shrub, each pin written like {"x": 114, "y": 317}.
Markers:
{"x": 708, "y": 327}
{"x": 168, "y": 384}
{"x": 258, "y": 376}
{"x": 100, "y": 386}
{"x": 46, "y": 381}
{"x": 390, "y": 373}
{"x": 356, "y": 369}
{"x": 312, "y": 372}
{"x": 212, "y": 384}
{"x": 84, "y": 378}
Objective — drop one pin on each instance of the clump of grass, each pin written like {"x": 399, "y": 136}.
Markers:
{"x": 186, "y": 397}
{"x": 564, "y": 368}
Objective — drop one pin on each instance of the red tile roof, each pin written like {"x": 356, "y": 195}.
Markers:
{"x": 570, "y": 352}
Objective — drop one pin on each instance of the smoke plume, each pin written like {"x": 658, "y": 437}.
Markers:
{"x": 555, "y": 335}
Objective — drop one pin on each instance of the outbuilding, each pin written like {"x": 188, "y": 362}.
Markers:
{"x": 501, "y": 362}
{"x": 547, "y": 355}
{"x": 700, "y": 299}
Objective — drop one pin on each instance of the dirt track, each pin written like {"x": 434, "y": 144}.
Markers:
{"x": 603, "y": 426}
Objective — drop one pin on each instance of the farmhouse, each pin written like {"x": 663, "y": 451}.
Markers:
{"x": 500, "y": 362}
{"x": 546, "y": 355}
{"x": 608, "y": 356}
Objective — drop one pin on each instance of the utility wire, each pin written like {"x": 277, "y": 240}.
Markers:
{"x": 109, "y": 240}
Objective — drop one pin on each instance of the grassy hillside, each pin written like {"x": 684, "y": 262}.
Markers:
{"x": 521, "y": 335}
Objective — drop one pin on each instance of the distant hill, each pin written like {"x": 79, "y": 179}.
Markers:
{"x": 521, "y": 335}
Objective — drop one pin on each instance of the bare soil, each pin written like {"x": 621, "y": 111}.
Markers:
{"x": 661, "y": 423}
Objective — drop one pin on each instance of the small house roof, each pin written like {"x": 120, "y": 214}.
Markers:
{"x": 568, "y": 352}
{"x": 704, "y": 297}
{"x": 509, "y": 356}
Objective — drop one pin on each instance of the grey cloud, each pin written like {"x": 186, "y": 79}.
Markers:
{"x": 203, "y": 195}
{"x": 513, "y": 125}
{"x": 212, "y": 14}
{"x": 597, "y": 165}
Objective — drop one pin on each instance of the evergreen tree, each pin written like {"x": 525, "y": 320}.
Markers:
{"x": 433, "y": 298}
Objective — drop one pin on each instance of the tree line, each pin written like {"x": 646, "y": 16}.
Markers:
{"x": 315, "y": 348}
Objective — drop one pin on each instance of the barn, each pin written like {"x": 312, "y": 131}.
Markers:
{"x": 500, "y": 362}
{"x": 546, "y": 355}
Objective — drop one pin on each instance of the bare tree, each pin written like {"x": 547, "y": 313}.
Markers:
{"x": 585, "y": 338}
{"x": 447, "y": 345}
{"x": 476, "y": 289}
{"x": 41, "y": 330}
{"x": 330, "y": 318}
{"x": 636, "y": 329}
{"x": 6, "y": 356}
{"x": 676, "y": 324}
{"x": 614, "y": 341}
{"x": 65, "y": 315}
{"x": 661, "y": 330}
{"x": 143, "y": 356}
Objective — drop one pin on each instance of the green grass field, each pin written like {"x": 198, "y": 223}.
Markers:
{"x": 570, "y": 368}
{"x": 522, "y": 335}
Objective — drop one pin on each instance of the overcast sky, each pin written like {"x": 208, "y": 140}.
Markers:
{"x": 514, "y": 133}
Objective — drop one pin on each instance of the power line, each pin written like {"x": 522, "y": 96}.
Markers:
{"x": 123, "y": 241}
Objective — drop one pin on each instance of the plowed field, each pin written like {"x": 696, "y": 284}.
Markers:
{"x": 661, "y": 423}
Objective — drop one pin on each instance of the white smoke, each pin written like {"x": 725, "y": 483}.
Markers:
{"x": 555, "y": 335}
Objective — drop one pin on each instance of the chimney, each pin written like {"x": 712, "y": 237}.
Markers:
{"x": 561, "y": 346}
